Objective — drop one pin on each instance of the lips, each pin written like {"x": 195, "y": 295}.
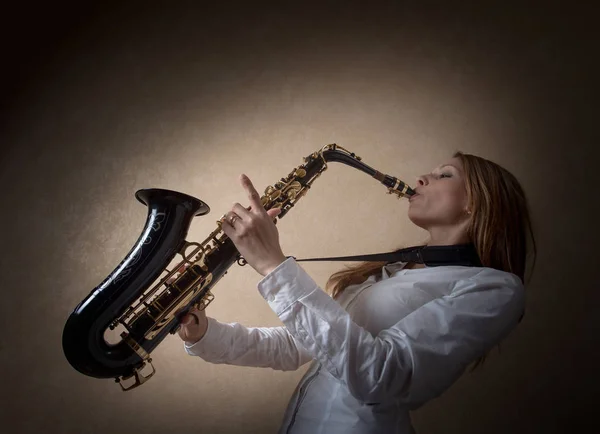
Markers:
{"x": 412, "y": 197}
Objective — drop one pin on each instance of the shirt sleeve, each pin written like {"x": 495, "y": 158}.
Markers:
{"x": 416, "y": 359}
{"x": 263, "y": 347}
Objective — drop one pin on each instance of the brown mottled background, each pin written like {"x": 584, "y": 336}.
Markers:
{"x": 99, "y": 101}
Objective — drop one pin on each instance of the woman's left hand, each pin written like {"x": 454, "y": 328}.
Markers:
{"x": 253, "y": 231}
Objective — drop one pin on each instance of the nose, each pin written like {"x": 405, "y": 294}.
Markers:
{"x": 422, "y": 180}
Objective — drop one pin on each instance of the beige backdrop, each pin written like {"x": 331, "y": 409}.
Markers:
{"x": 133, "y": 97}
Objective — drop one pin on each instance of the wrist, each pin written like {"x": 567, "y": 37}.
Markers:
{"x": 274, "y": 265}
{"x": 195, "y": 340}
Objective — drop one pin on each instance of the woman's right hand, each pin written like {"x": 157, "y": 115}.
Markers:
{"x": 193, "y": 326}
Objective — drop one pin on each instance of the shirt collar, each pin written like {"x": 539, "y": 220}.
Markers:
{"x": 389, "y": 269}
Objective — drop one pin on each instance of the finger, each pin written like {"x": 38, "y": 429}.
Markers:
{"x": 185, "y": 333}
{"x": 228, "y": 229}
{"x": 194, "y": 317}
{"x": 181, "y": 331}
{"x": 184, "y": 330}
{"x": 241, "y": 212}
{"x": 274, "y": 212}
{"x": 253, "y": 195}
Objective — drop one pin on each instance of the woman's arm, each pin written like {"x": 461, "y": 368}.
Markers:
{"x": 416, "y": 359}
{"x": 234, "y": 344}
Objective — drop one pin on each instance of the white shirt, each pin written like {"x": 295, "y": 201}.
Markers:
{"x": 382, "y": 348}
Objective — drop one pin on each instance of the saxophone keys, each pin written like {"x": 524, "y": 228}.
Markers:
{"x": 270, "y": 196}
{"x": 204, "y": 301}
{"x": 293, "y": 189}
{"x": 220, "y": 221}
{"x": 300, "y": 173}
{"x": 137, "y": 375}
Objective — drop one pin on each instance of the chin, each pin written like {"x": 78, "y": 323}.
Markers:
{"x": 420, "y": 222}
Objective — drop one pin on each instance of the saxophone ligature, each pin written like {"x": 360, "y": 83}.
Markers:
{"x": 112, "y": 331}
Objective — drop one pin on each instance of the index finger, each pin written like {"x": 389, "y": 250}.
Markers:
{"x": 255, "y": 202}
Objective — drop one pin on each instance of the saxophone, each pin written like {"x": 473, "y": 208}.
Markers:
{"x": 145, "y": 297}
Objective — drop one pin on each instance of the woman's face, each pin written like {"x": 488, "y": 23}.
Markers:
{"x": 441, "y": 199}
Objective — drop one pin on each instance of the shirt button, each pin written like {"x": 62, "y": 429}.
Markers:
{"x": 270, "y": 297}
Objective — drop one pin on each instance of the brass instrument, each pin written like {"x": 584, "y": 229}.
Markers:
{"x": 145, "y": 299}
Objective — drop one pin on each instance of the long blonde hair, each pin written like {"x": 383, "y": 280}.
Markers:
{"x": 500, "y": 227}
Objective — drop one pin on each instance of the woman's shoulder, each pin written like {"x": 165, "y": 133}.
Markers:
{"x": 489, "y": 276}
{"x": 497, "y": 283}
{"x": 456, "y": 273}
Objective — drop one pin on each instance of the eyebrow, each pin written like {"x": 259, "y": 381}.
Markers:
{"x": 445, "y": 165}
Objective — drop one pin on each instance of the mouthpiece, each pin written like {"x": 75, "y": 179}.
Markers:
{"x": 397, "y": 187}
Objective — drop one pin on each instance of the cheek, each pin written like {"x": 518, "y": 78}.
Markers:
{"x": 455, "y": 200}
{"x": 446, "y": 207}
{"x": 445, "y": 204}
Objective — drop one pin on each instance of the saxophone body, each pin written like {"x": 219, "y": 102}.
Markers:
{"x": 111, "y": 333}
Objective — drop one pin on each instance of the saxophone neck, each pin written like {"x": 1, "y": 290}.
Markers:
{"x": 335, "y": 153}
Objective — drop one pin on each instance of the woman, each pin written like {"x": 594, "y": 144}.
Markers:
{"x": 388, "y": 337}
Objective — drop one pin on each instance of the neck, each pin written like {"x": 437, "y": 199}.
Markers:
{"x": 447, "y": 236}
{"x": 443, "y": 237}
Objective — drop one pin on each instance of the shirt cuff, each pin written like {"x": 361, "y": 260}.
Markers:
{"x": 285, "y": 285}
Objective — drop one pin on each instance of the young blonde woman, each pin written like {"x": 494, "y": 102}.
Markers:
{"x": 386, "y": 338}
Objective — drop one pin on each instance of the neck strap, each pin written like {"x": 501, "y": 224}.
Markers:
{"x": 431, "y": 256}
